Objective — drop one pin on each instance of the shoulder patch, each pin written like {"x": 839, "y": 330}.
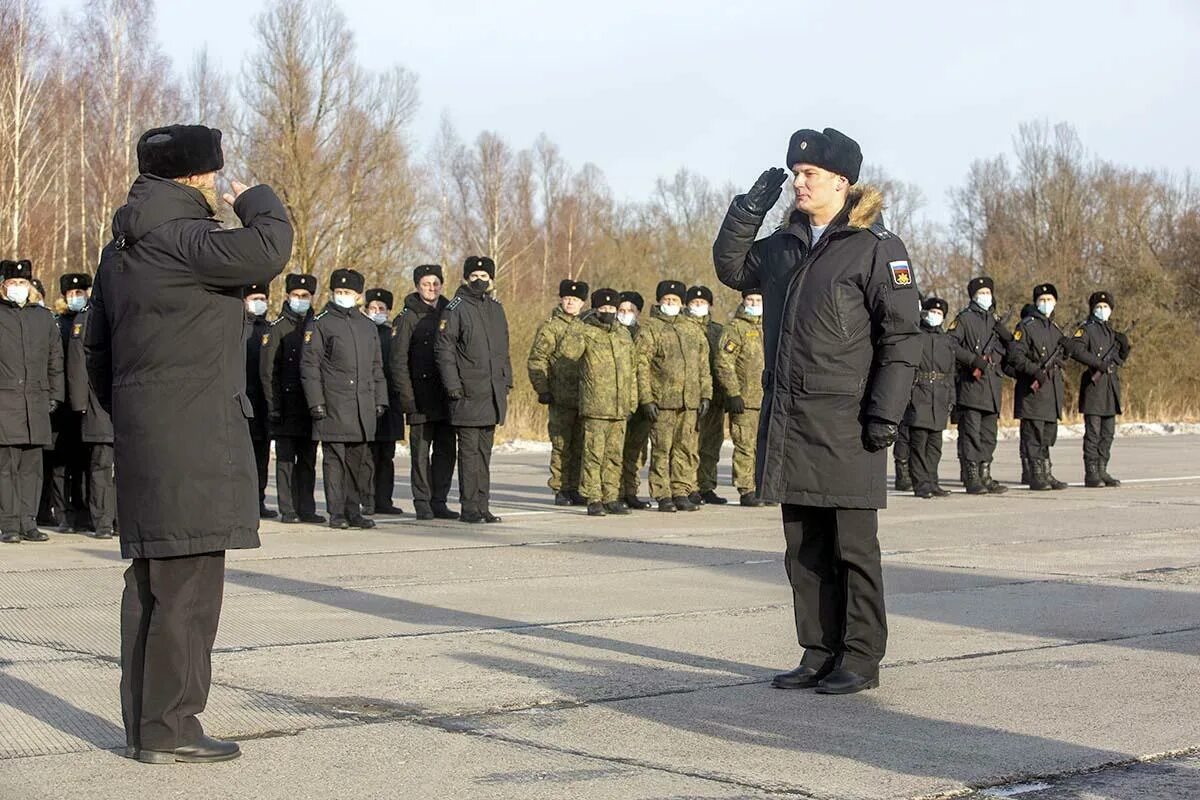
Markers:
{"x": 731, "y": 346}
{"x": 76, "y": 330}
{"x": 308, "y": 336}
{"x": 266, "y": 337}
{"x": 901, "y": 273}
{"x": 1079, "y": 333}
{"x": 442, "y": 324}
{"x": 1018, "y": 333}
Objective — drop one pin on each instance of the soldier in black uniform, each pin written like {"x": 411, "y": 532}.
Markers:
{"x": 932, "y": 397}
{"x": 473, "y": 361}
{"x": 390, "y": 427}
{"x": 96, "y": 431}
{"x": 31, "y": 389}
{"x": 342, "y": 373}
{"x": 637, "y": 430}
{"x": 287, "y": 410}
{"x": 257, "y": 335}
{"x": 67, "y": 458}
{"x": 1103, "y": 351}
{"x": 413, "y": 371}
{"x": 1036, "y": 355}
{"x": 981, "y": 339}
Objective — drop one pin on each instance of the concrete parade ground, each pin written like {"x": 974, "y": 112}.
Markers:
{"x": 1042, "y": 645}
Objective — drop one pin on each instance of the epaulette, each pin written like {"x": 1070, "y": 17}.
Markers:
{"x": 454, "y": 303}
{"x": 275, "y": 321}
{"x": 491, "y": 297}
{"x": 318, "y": 316}
{"x": 880, "y": 232}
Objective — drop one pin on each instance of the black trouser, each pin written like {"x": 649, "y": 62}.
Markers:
{"x": 474, "y": 468}
{"x": 169, "y": 615}
{"x": 833, "y": 564}
{"x": 262, "y": 457}
{"x": 296, "y": 475}
{"x": 68, "y": 471}
{"x": 1098, "y": 435}
{"x": 977, "y": 434}
{"x": 346, "y": 467}
{"x": 431, "y": 474}
{"x": 901, "y": 449}
{"x": 101, "y": 490}
{"x": 926, "y": 447}
{"x": 20, "y": 487}
{"x": 1037, "y": 437}
{"x": 383, "y": 470}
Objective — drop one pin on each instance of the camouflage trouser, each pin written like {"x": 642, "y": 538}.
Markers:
{"x": 603, "y": 443}
{"x": 744, "y": 430}
{"x": 712, "y": 436}
{"x": 674, "y": 455}
{"x": 633, "y": 456}
{"x": 566, "y": 448}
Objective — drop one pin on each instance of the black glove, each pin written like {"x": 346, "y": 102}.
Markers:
{"x": 980, "y": 363}
{"x": 545, "y": 398}
{"x": 879, "y": 434}
{"x": 764, "y": 193}
{"x": 53, "y": 405}
{"x": 380, "y": 410}
{"x": 318, "y": 412}
{"x": 1042, "y": 378}
{"x": 650, "y": 412}
{"x": 275, "y": 417}
{"x": 455, "y": 394}
{"x": 735, "y": 404}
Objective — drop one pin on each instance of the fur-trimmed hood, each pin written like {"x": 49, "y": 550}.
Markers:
{"x": 864, "y": 208}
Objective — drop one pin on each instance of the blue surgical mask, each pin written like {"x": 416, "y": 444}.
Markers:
{"x": 934, "y": 319}
{"x": 984, "y": 301}
{"x": 754, "y": 311}
{"x": 1102, "y": 314}
{"x": 76, "y": 303}
{"x": 345, "y": 300}
{"x": 257, "y": 307}
{"x": 379, "y": 319}
{"x": 1046, "y": 307}
{"x": 299, "y": 305}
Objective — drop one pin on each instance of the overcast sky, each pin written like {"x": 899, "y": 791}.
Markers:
{"x": 642, "y": 87}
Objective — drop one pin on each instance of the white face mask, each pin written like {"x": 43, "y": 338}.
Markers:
{"x": 698, "y": 311}
{"x": 934, "y": 319}
{"x": 754, "y": 311}
{"x": 984, "y": 301}
{"x": 670, "y": 311}
{"x": 1046, "y": 307}
{"x": 1102, "y": 314}
{"x": 345, "y": 300}
{"x": 18, "y": 294}
{"x": 257, "y": 307}
{"x": 626, "y": 318}
{"x": 379, "y": 319}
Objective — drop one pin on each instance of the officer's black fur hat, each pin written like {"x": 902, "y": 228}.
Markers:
{"x": 570, "y": 288}
{"x": 299, "y": 280}
{"x": 177, "y": 151}
{"x": 699, "y": 293}
{"x": 16, "y": 269}
{"x": 382, "y": 295}
{"x": 1044, "y": 288}
{"x": 428, "y": 269}
{"x": 829, "y": 149}
{"x": 74, "y": 280}
{"x": 1102, "y": 297}
{"x": 982, "y": 282}
{"x": 665, "y": 288}
{"x": 752, "y": 290}
{"x": 475, "y": 263}
{"x": 1028, "y": 310}
{"x": 256, "y": 288}
{"x": 931, "y": 303}
{"x": 347, "y": 279}
{"x": 605, "y": 297}
{"x": 636, "y": 298}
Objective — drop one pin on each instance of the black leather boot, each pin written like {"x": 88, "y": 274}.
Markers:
{"x": 1026, "y": 472}
{"x": 1054, "y": 482}
{"x": 635, "y": 503}
{"x": 985, "y": 477}
{"x": 1109, "y": 480}
{"x": 712, "y": 498}
{"x": 1091, "y": 475}
{"x": 903, "y": 476}
{"x": 1038, "y": 472}
{"x": 973, "y": 483}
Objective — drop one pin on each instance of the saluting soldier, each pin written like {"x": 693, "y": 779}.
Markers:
{"x": 342, "y": 373}
{"x": 473, "y": 361}
{"x": 287, "y": 410}
{"x": 1036, "y": 354}
{"x": 31, "y": 389}
{"x": 928, "y": 411}
{"x": 555, "y": 378}
{"x": 390, "y": 427}
{"x": 414, "y": 375}
{"x": 95, "y": 428}
{"x": 257, "y": 335}
{"x": 711, "y": 435}
{"x": 739, "y": 368}
{"x": 637, "y": 429}
{"x": 1103, "y": 352}
{"x": 674, "y": 391}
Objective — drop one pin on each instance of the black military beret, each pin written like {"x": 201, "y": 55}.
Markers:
{"x": 605, "y": 297}
{"x": 300, "y": 281}
{"x": 752, "y": 290}
{"x": 16, "y": 269}
{"x": 982, "y": 282}
{"x": 1044, "y": 288}
{"x": 930, "y": 303}
{"x": 665, "y": 288}
{"x": 476, "y": 263}
{"x": 634, "y": 297}
{"x": 829, "y": 149}
{"x": 347, "y": 279}
{"x": 1102, "y": 297}
{"x": 177, "y": 151}
{"x": 428, "y": 269}
{"x": 382, "y": 295}
{"x": 256, "y": 288}
{"x": 699, "y": 293}
{"x": 570, "y": 288}
{"x": 74, "y": 280}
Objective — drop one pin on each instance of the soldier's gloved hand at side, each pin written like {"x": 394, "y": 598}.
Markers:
{"x": 980, "y": 363}
{"x": 879, "y": 434}
{"x": 735, "y": 404}
{"x": 380, "y": 410}
{"x": 455, "y": 394}
{"x": 650, "y": 411}
{"x": 764, "y": 193}
{"x": 318, "y": 412}
{"x": 53, "y": 406}
{"x": 545, "y": 398}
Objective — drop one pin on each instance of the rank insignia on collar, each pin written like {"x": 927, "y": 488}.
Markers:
{"x": 307, "y": 337}
{"x": 901, "y": 273}
{"x": 266, "y": 338}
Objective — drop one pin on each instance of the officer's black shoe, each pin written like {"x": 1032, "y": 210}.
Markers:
{"x": 971, "y": 478}
{"x": 1054, "y": 482}
{"x": 938, "y": 491}
{"x": 267, "y": 513}
{"x": 1091, "y": 475}
{"x": 205, "y": 751}
{"x": 924, "y": 491}
{"x": 985, "y": 477}
{"x": 667, "y": 504}
{"x": 562, "y": 499}
{"x": 801, "y": 677}
{"x": 750, "y": 501}
{"x": 471, "y": 517}
{"x": 132, "y": 751}
{"x": 64, "y": 527}
{"x": 685, "y": 503}
{"x": 637, "y": 504}
{"x": 712, "y": 498}
{"x": 35, "y": 536}
{"x": 843, "y": 681}
{"x": 693, "y": 498}
{"x": 10, "y": 538}
{"x": 596, "y": 510}
{"x": 903, "y": 476}
{"x": 312, "y": 519}
{"x": 362, "y": 522}
{"x": 442, "y": 512}
{"x": 337, "y": 523}
{"x": 424, "y": 516}
{"x": 1037, "y": 475}
{"x": 576, "y": 498}
{"x": 367, "y": 511}
{"x": 394, "y": 511}
{"x": 289, "y": 519}
{"x": 616, "y": 507}
{"x": 1109, "y": 480}
{"x": 489, "y": 517}
{"x": 104, "y": 533}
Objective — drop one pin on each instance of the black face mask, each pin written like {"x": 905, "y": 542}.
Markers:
{"x": 478, "y": 285}
{"x": 606, "y": 317}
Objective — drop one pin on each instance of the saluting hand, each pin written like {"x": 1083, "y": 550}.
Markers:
{"x": 765, "y": 192}
{"x": 231, "y": 197}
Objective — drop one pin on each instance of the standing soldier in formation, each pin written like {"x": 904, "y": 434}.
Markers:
{"x": 674, "y": 391}
{"x": 603, "y": 348}
{"x": 342, "y": 373}
{"x": 31, "y": 389}
{"x": 739, "y": 371}
{"x": 928, "y": 411}
{"x": 555, "y": 378}
{"x": 637, "y": 429}
{"x": 711, "y": 435}
{"x": 472, "y": 359}
{"x": 1103, "y": 351}
{"x": 287, "y": 411}
{"x": 96, "y": 430}
{"x": 390, "y": 427}
{"x": 67, "y": 459}
{"x": 257, "y": 335}
{"x": 1036, "y": 355}
{"x": 414, "y": 375}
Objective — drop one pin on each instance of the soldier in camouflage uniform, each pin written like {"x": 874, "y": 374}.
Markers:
{"x": 637, "y": 430}
{"x": 712, "y": 425}
{"x": 674, "y": 391}
{"x": 555, "y": 378}
{"x": 607, "y": 396}
{"x": 739, "y": 368}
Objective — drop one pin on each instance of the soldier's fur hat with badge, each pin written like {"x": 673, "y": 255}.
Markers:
{"x": 570, "y": 288}
{"x": 382, "y": 295}
{"x": 177, "y": 151}
{"x": 298, "y": 280}
{"x": 699, "y": 293}
{"x": 476, "y": 263}
{"x": 1044, "y": 288}
{"x": 428, "y": 269}
{"x": 829, "y": 149}
{"x": 1102, "y": 297}
{"x": 665, "y": 288}
{"x": 347, "y": 279}
{"x": 930, "y": 303}
{"x": 751, "y": 290}
{"x": 10, "y": 270}
{"x": 606, "y": 297}
{"x": 256, "y": 288}
{"x": 982, "y": 282}
{"x": 636, "y": 298}
{"x": 74, "y": 280}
